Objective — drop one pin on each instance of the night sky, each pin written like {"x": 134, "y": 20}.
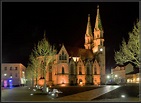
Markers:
{"x": 23, "y": 25}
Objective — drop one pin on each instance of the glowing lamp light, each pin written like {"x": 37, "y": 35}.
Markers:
{"x": 108, "y": 76}
{"x": 101, "y": 49}
{"x": 10, "y": 80}
{"x": 23, "y": 71}
{"x": 52, "y": 94}
{"x": 31, "y": 94}
{"x": 5, "y": 74}
{"x": 123, "y": 96}
{"x": 116, "y": 76}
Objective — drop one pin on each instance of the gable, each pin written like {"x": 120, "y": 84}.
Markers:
{"x": 63, "y": 49}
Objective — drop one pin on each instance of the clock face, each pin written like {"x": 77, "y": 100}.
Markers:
{"x": 101, "y": 49}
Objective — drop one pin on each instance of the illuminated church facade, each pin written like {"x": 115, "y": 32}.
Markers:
{"x": 83, "y": 66}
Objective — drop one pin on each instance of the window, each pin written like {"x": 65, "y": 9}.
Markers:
{"x": 80, "y": 71}
{"x": 15, "y": 68}
{"x": 65, "y": 57}
{"x": 95, "y": 72}
{"x": 60, "y": 57}
{"x": 10, "y": 68}
{"x": 63, "y": 70}
{"x": 5, "y": 68}
{"x": 62, "y": 52}
{"x": 10, "y": 75}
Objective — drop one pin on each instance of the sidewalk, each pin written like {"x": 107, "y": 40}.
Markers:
{"x": 88, "y": 95}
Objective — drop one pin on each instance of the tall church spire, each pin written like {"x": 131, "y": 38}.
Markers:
{"x": 89, "y": 29}
{"x": 88, "y": 35}
{"x": 98, "y": 25}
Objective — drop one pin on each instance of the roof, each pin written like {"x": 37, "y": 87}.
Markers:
{"x": 80, "y": 52}
{"x": 134, "y": 72}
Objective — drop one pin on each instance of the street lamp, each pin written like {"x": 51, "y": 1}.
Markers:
{"x": 108, "y": 76}
{"x": 116, "y": 75}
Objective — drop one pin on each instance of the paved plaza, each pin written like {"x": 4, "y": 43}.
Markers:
{"x": 24, "y": 94}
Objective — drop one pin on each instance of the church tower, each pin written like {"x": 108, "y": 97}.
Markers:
{"x": 88, "y": 35}
{"x": 98, "y": 46}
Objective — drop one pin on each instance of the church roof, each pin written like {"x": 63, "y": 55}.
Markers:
{"x": 80, "y": 52}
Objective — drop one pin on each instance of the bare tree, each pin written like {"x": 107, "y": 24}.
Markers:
{"x": 47, "y": 53}
{"x": 129, "y": 52}
{"x": 32, "y": 69}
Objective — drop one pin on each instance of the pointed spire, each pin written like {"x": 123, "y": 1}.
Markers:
{"x": 98, "y": 24}
{"x": 89, "y": 29}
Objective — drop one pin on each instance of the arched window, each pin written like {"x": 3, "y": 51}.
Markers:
{"x": 62, "y": 52}
{"x": 65, "y": 57}
{"x": 80, "y": 71}
{"x": 60, "y": 57}
{"x": 95, "y": 71}
{"x": 63, "y": 71}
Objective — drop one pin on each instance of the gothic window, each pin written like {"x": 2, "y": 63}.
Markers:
{"x": 80, "y": 71}
{"x": 71, "y": 69}
{"x": 62, "y": 52}
{"x": 98, "y": 36}
{"x": 60, "y": 57}
{"x": 95, "y": 72}
{"x": 63, "y": 56}
{"x": 63, "y": 70}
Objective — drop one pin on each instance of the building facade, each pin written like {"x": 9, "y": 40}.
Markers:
{"x": 73, "y": 65}
{"x": 126, "y": 73}
{"x": 12, "y": 74}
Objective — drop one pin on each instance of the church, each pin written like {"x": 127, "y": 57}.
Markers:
{"x": 81, "y": 66}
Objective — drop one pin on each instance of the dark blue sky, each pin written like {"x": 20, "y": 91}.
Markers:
{"x": 23, "y": 25}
